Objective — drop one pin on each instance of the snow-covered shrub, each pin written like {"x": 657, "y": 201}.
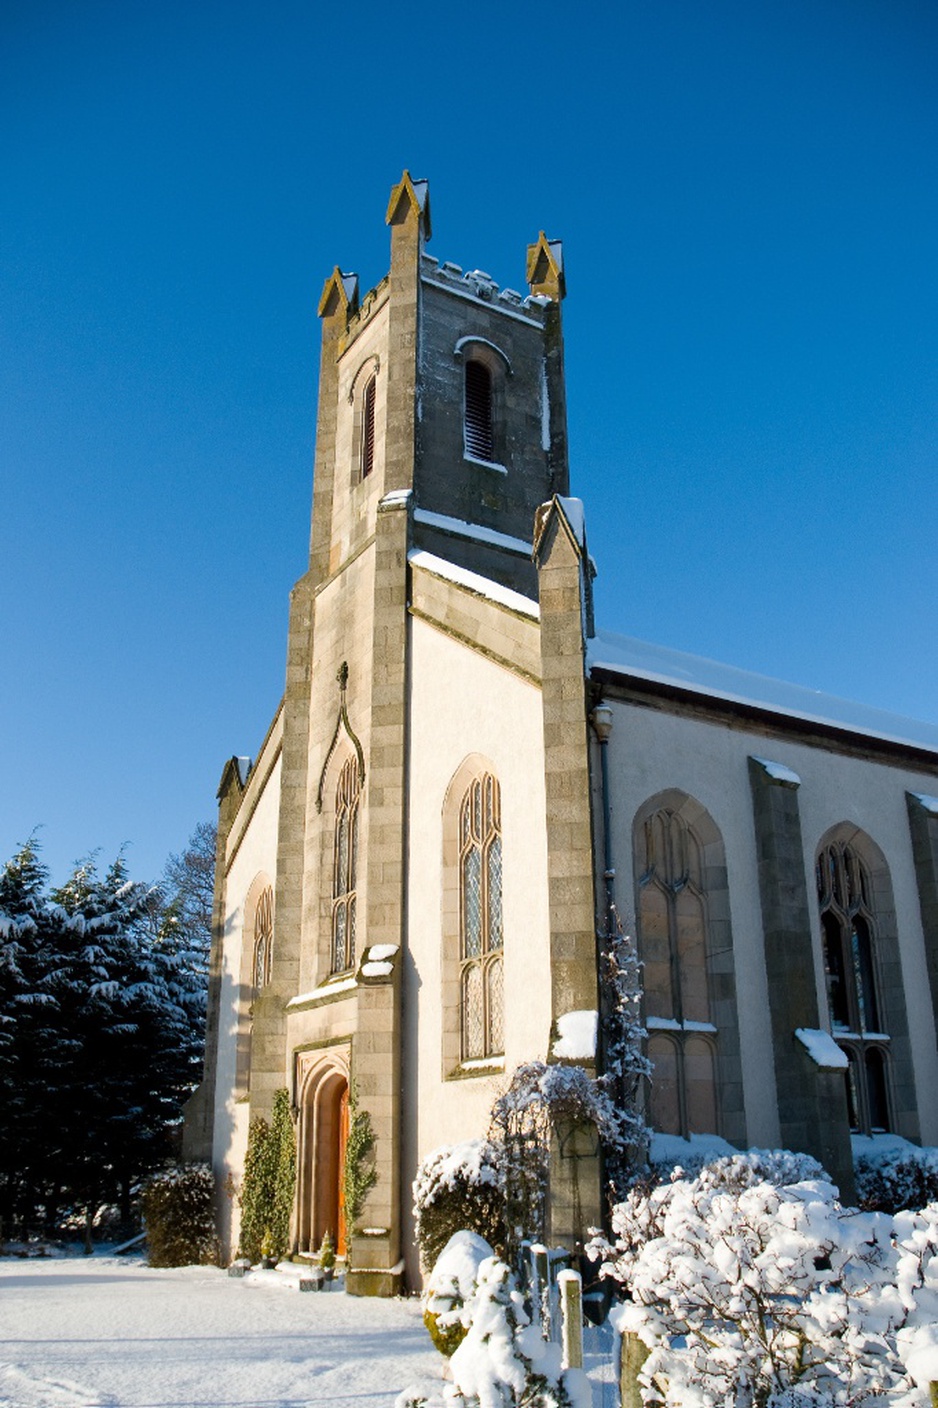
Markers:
{"x": 748, "y": 1293}
{"x": 627, "y": 1068}
{"x": 450, "y": 1285}
{"x": 503, "y": 1361}
{"x": 916, "y": 1238}
{"x": 179, "y": 1213}
{"x": 899, "y": 1177}
{"x": 540, "y": 1100}
{"x": 459, "y": 1186}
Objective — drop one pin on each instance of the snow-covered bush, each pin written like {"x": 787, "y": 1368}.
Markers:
{"x": 179, "y": 1213}
{"x": 627, "y": 1068}
{"x": 540, "y": 1100}
{"x": 459, "y": 1186}
{"x": 503, "y": 1361}
{"x": 898, "y": 1177}
{"x": 451, "y": 1284}
{"x": 748, "y": 1293}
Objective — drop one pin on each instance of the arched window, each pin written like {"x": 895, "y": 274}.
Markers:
{"x": 345, "y": 866}
{"x": 367, "y": 461}
{"x": 848, "y": 937}
{"x": 479, "y": 421}
{"x": 263, "y": 940}
{"x": 482, "y": 1025}
{"x": 673, "y": 924}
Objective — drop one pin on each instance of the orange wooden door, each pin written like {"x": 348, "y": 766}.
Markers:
{"x": 342, "y": 1233}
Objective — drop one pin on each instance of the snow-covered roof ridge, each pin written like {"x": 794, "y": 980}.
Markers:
{"x": 473, "y": 582}
{"x": 637, "y": 659}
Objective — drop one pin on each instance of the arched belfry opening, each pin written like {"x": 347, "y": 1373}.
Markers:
{"x": 323, "y": 1136}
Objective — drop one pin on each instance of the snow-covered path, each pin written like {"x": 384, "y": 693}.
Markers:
{"x": 104, "y": 1333}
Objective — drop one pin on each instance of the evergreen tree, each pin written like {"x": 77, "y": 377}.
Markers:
{"x": 102, "y": 1043}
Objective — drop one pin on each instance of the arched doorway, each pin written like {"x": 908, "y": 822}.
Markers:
{"x": 324, "y": 1125}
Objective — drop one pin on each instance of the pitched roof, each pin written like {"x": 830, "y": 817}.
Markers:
{"x": 708, "y": 679}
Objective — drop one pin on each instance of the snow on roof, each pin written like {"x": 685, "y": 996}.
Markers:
{"x": 461, "y": 529}
{"x": 473, "y": 582}
{"x": 778, "y": 771}
{"x": 637, "y": 659}
{"x": 573, "y": 512}
{"x": 929, "y": 803}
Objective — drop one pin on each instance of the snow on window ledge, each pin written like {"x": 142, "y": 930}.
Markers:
{"x": 822, "y": 1048}
{"x": 670, "y": 1024}
{"x": 324, "y": 993}
{"x": 479, "y": 1066}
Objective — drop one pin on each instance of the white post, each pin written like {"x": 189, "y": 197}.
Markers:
{"x": 570, "y": 1284}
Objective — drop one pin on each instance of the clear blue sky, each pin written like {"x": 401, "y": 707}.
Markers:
{"x": 748, "y": 198}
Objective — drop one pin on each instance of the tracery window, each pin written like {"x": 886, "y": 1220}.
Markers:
{"x": 673, "y": 932}
{"x": 479, "y": 420}
{"x": 482, "y": 1013}
{"x": 345, "y": 867}
{"x": 263, "y": 940}
{"x": 848, "y": 939}
{"x": 367, "y": 462}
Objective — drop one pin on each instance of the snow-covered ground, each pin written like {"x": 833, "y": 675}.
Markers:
{"x": 110, "y": 1332}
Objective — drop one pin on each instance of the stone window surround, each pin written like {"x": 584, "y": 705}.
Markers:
{"x": 473, "y": 348}
{"x": 453, "y": 1066}
{"x": 900, "y": 1088}
{"x": 247, "y": 992}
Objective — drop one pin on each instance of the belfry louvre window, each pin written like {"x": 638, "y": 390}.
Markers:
{"x": 480, "y": 921}
{"x": 345, "y": 867}
{"x": 673, "y": 933}
{"x": 479, "y": 430}
{"x": 368, "y": 428}
{"x": 263, "y": 940}
{"x": 848, "y": 939}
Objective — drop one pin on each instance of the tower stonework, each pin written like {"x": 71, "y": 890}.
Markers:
{"x": 441, "y": 427}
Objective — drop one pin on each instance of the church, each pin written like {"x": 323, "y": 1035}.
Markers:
{"x": 467, "y": 776}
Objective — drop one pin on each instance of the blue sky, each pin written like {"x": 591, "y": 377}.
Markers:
{"x": 748, "y": 198}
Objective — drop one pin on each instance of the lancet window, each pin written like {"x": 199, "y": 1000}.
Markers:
{"x": 848, "y": 937}
{"x": 481, "y": 939}
{"x": 345, "y": 867}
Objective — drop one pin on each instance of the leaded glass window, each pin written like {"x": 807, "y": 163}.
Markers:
{"x": 672, "y": 922}
{"x": 480, "y": 920}
{"x": 263, "y": 939}
{"x": 344, "y": 867}
{"x": 844, "y": 892}
{"x": 368, "y": 427}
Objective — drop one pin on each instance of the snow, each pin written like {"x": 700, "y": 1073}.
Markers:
{"x": 779, "y": 771}
{"x": 623, "y": 655}
{"x": 85, "y": 1332}
{"x": 822, "y": 1048}
{"x": 98, "y": 1330}
{"x": 929, "y": 803}
{"x": 573, "y": 512}
{"x": 473, "y": 582}
{"x": 672, "y": 1149}
{"x": 396, "y": 498}
{"x": 576, "y": 1039}
{"x": 325, "y": 990}
{"x": 671, "y": 1024}
{"x": 476, "y": 531}
{"x": 377, "y": 970}
{"x": 378, "y": 952}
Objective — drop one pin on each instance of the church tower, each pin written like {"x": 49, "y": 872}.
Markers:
{"x": 441, "y": 429}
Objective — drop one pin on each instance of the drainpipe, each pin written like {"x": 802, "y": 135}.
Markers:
{"x": 601, "y": 719}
